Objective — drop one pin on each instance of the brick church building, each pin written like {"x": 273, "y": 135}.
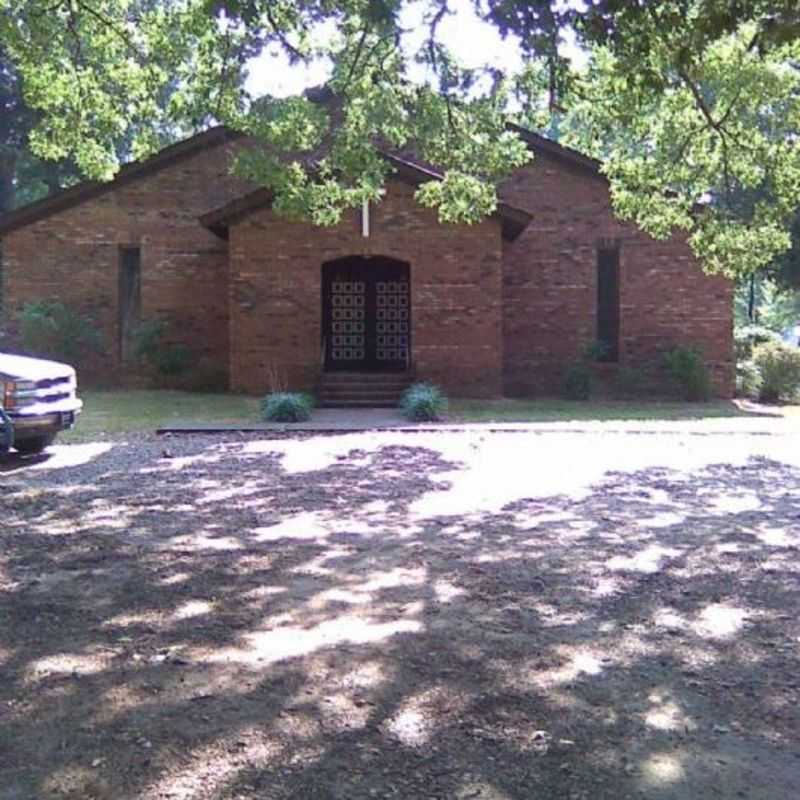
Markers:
{"x": 502, "y": 307}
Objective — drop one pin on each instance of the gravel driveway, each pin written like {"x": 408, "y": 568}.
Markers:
{"x": 590, "y": 614}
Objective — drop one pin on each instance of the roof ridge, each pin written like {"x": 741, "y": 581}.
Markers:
{"x": 87, "y": 190}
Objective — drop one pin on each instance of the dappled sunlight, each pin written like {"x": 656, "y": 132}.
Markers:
{"x": 733, "y": 503}
{"x": 649, "y": 560}
{"x": 666, "y": 714}
{"x": 663, "y": 519}
{"x": 471, "y": 789}
{"x": 68, "y": 664}
{"x": 778, "y": 537}
{"x": 57, "y": 456}
{"x": 417, "y": 616}
{"x": 208, "y": 539}
{"x": 193, "y": 608}
{"x": 306, "y": 525}
{"x": 261, "y": 648}
{"x": 446, "y": 592}
{"x": 130, "y": 619}
{"x": 662, "y": 769}
{"x": 571, "y": 666}
{"x": 213, "y": 767}
{"x": 110, "y": 515}
{"x": 421, "y": 714}
{"x": 719, "y": 620}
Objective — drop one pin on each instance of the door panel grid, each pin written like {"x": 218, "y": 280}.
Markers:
{"x": 366, "y": 314}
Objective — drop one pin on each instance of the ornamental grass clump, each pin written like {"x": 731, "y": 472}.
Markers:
{"x": 287, "y": 407}
{"x": 423, "y": 402}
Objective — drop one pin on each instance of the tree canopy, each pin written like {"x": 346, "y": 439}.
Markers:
{"x": 692, "y": 106}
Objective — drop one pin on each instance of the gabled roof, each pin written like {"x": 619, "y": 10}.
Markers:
{"x": 513, "y": 220}
{"x": 567, "y": 155}
{"x": 88, "y": 190}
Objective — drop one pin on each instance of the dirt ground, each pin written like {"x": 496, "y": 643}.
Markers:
{"x": 455, "y": 615}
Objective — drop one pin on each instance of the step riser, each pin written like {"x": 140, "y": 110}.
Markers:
{"x": 363, "y": 389}
{"x": 357, "y": 390}
{"x": 351, "y": 404}
{"x": 362, "y": 382}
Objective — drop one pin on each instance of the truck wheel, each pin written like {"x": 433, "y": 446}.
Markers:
{"x": 33, "y": 445}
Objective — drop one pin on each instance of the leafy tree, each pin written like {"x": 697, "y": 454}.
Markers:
{"x": 14, "y": 122}
{"x": 687, "y": 102}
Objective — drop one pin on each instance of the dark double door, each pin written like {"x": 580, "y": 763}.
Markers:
{"x": 366, "y": 314}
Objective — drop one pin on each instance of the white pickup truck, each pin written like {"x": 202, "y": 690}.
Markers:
{"x": 38, "y": 399}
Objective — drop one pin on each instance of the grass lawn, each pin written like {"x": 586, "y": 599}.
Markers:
{"x": 556, "y": 410}
{"x": 110, "y": 413}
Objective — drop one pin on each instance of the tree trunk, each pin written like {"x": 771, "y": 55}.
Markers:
{"x": 751, "y": 301}
{"x": 8, "y": 165}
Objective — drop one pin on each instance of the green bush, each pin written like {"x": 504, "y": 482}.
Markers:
{"x": 287, "y": 407}
{"x": 687, "y": 368}
{"x": 631, "y": 381}
{"x": 748, "y": 379}
{"x": 423, "y": 402}
{"x": 56, "y": 330}
{"x": 779, "y": 366}
{"x": 578, "y": 381}
{"x": 750, "y": 336}
{"x": 579, "y": 377}
{"x": 148, "y": 346}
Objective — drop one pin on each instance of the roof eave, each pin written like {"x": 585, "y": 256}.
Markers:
{"x": 75, "y": 195}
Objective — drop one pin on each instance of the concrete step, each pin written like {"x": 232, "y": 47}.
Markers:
{"x": 362, "y": 389}
{"x": 358, "y": 389}
{"x": 356, "y": 404}
{"x": 347, "y": 378}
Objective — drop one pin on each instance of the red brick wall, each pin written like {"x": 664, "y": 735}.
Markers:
{"x": 73, "y": 256}
{"x": 550, "y": 288}
{"x": 487, "y": 316}
{"x": 276, "y": 268}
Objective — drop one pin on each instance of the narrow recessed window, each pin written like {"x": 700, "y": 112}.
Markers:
{"x": 608, "y": 302}
{"x": 2, "y": 284}
{"x": 130, "y": 296}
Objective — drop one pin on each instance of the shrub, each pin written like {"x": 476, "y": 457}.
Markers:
{"x": 748, "y": 379}
{"x": 779, "y": 366}
{"x": 631, "y": 381}
{"x": 56, "y": 330}
{"x": 747, "y": 338}
{"x": 148, "y": 345}
{"x": 687, "y": 368}
{"x": 287, "y": 407}
{"x": 578, "y": 381}
{"x": 423, "y": 402}
{"x": 579, "y": 377}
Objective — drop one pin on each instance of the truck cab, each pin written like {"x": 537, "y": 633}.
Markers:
{"x": 38, "y": 399}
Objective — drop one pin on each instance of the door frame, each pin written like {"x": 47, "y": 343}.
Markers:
{"x": 371, "y": 270}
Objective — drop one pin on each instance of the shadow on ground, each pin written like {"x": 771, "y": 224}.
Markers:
{"x": 227, "y": 620}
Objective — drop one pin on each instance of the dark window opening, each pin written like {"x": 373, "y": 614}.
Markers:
{"x": 608, "y": 303}
{"x": 2, "y": 284}
{"x": 130, "y": 297}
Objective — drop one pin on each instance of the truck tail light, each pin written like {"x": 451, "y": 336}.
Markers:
{"x": 8, "y": 395}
